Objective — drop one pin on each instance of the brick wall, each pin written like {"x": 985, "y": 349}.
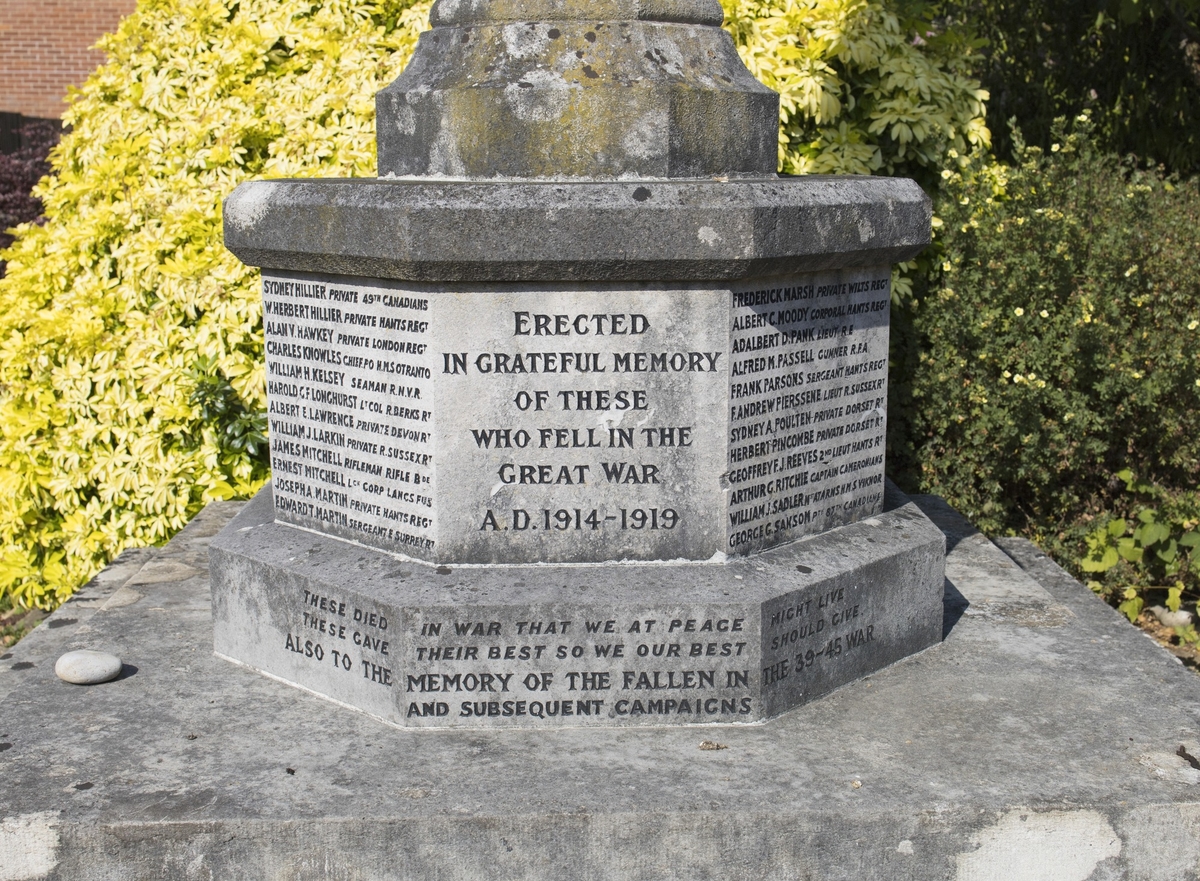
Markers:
{"x": 44, "y": 48}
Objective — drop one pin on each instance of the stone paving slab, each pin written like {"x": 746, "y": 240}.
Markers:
{"x": 1039, "y": 740}
{"x": 43, "y": 644}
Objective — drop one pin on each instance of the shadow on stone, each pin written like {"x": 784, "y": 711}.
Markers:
{"x": 954, "y": 525}
{"x": 954, "y": 606}
{"x": 127, "y": 671}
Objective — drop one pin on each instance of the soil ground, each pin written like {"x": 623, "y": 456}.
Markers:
{"x": 1168, "y": 639}
{"x": 15, "y": 623}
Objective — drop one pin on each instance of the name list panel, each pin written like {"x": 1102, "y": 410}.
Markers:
{"x": 807, "y": 405}
{"x": 350, "y": 409}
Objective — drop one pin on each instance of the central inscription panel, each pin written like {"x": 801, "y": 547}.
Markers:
{"x": 576, "y": 425}
{"x": 592, "y": 424}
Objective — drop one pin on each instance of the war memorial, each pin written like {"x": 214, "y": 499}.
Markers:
{"x": 579, "y": 560}
{"x": 578, "y": 410}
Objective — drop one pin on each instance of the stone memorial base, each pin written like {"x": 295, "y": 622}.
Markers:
{"x": 732, "y": 641}
{"x": 524, "y": 372}
{"x": 1040, "y": 738}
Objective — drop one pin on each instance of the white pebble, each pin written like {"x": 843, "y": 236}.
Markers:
{"x": 1171, "y": 619}
{"x": 87, "y": 668}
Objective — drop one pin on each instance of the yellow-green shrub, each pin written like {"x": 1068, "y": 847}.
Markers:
{"x": 1147, "y": 547}
{"x": 864, "y": 86}
{"x": 131, "y": 382}
{"x": 123, "y": 321}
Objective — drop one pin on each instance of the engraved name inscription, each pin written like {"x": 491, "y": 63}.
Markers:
{"x": 807, "y": 403}
{"x": 349, "y": 407}
{"x": 576, "y": 426}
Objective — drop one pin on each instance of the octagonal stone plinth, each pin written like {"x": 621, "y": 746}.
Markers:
{"x": 577, "y": 413}
{"x": 486, "y": 419}
{"x": 581, "y": 423}
{"x": 556, "y": 646}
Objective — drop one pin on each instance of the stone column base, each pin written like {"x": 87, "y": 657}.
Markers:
{"x": 731, "y": 641}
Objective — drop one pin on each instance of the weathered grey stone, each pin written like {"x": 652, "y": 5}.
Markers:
{"x": 468, "y": 12}
{"x": 449, "y": 231}
{"x": 615, "y": 337}
{"x": 1008, "y": 741}
{"x": 1178, "y": 618}
{"x": 42, "y": 646}
{"x": 86, "y": 667}
{"x": 605, "y": 422}
{"x": 506, "y": 647}
{"x": 615, "y": 89}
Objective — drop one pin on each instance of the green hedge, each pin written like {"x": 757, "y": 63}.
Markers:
{"x": 1052, "y": 340}
{"x": 1134, "y": 64}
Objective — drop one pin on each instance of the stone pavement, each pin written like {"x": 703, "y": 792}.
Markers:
{"x": 1040, "y": 740}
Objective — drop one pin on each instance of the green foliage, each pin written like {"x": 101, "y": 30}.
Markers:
{"x": 864, "y": 86}
{"x": 1134, "y": 63}
{"x": 1148, "y": 549}
{"x": 131, "y": 362}
{"x": 240, "y": 431}
{"x": 131, "y": 377}
{"x": 16, "y": 622}
{"x": 1053, "y": 339}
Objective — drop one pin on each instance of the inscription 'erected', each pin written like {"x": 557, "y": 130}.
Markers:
{"x": 674, "y": 424}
